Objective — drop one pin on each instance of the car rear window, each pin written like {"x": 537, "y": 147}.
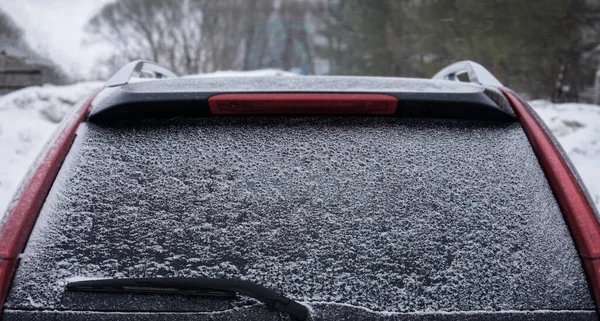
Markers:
{"x": 386, "y": 214}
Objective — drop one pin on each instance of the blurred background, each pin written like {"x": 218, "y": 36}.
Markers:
{"x": 543, "y": 48}
{"x": 547, "y": 50}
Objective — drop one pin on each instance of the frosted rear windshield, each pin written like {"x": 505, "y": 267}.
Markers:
{"x": 392, "y": 215}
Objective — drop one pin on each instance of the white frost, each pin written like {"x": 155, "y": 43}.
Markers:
{"x": 247, "y": 73}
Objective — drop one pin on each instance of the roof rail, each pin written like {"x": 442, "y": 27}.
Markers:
{"x": 476, "y": 72}
{"x": 134, "y": 69}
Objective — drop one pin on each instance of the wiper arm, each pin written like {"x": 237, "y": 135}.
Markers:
{"x": 195, "y": 286}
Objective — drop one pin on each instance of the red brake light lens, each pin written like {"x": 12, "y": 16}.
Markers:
{"x": 290, "y": 103}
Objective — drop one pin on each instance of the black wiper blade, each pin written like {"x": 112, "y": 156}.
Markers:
{"x": 195, "y": 286}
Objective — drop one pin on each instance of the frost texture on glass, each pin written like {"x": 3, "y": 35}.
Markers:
{"x": 386, "y": 214}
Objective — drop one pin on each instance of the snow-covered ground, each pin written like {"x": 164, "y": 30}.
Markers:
{"x": 27, "y": 119}
{"x": 577, "y": 128}
{"x": 29, "y": 116}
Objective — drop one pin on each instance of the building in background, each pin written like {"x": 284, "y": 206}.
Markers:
{"x": 20, "y": 66}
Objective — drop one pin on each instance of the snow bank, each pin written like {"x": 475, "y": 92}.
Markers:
{"x": 577, "y": 128}
{"x": 27, "y": 118}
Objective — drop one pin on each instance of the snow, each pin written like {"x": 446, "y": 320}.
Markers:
{"x": 247, "y": 73}
{"x": 27, "y": 119}
{"x": 238, "y": 82}
{"x": 577, "y": 129}
{"x": 233, "y": 197}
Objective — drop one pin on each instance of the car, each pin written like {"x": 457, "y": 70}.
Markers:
{"x": 302, "y": 198}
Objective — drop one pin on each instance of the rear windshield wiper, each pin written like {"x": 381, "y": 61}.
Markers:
{"x": 195, "y": 286}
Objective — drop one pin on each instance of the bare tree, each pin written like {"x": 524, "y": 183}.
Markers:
{"x": 188, "y": 36}
{"x": 8, "y": 29}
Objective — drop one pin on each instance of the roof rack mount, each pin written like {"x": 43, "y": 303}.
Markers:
{"x": 135, "y": 69}
{"x": 476, "y": 72}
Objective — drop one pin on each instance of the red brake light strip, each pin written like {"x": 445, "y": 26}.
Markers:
{"x": 302, "y": 103}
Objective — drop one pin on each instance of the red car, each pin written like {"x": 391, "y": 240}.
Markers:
{"x": 307, "y": 198}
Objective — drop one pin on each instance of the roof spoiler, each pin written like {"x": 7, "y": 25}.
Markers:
{"x": 477, "y": 99}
